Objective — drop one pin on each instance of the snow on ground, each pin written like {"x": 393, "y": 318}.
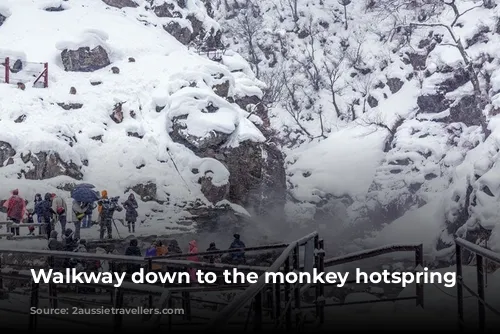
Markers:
{"x": 115, "y": 162}
{"x": 422, "y": 225}
{"x": 342, "y": 164}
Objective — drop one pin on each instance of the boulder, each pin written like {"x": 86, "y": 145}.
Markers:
{"x": 6, "y": 154}
{"x": 198, "y": 145}
{"x": 146, "y": 191}
{"x": 432, "y": 103}
{"x": 164, "y": 10}
{"x": 395, "y": 84}
{"x": 212, "y": 192}
{"x": 47, "y": 165}
{"x": 466, "y": 111}
{"x": 69, "y": 106}
{"x": 221, "y": 89}
{"x": 120, "y": 3}
{"x": 59, "y": 8}
{"x": 85, "y": 60}
{"x": 182, "y": 34}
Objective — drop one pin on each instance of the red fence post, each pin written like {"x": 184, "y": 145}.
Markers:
{"x": 7, "y": 70}
{"x": 46, "y": 78}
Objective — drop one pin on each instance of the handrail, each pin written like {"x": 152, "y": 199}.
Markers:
{"x": 490, "y": 255}
{"x": 134, "y": 259}
{"x": 364, "y": 254}
{"x": 241, "y": 300}
{"x": 225, "y": 251}
{"x": 481, "y": 253}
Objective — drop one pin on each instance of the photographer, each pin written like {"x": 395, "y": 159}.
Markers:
{"x": 108, "y": 208}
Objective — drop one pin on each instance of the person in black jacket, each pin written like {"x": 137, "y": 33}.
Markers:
{"x": 173, "y": 247}
{"x": 130, "y": 206}
{"x": 133, "y": 250}
{"x": 47, "y": 213}
{"x": 212, "y": 258}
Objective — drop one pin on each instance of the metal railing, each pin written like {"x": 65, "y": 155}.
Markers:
{"x": 167, "y": 295}
{"x": 9, "y": 225}
{"x": 369, "y": 253}
{"x": 257, "y": 294}
{"x": 481, "y": 254}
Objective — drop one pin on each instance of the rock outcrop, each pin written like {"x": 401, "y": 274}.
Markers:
{"x": 46, "y": 165}
{"x": 121, "y": 3}
{"x": 6, "y": 154}
{"x": 193, "y": 29}
{"x": 85, "y": 60}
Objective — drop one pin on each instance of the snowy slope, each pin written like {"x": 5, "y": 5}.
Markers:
{"x": 118, "y": 161}
{"x": 428, "y": 170}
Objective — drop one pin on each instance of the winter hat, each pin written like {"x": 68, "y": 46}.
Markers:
{"x": 134, "y": 242}
{"x": 53, "y": 195}
{"x": 212, "y": 244}
{"x": 236, "y": 236}
{"x": 15, "y": 192}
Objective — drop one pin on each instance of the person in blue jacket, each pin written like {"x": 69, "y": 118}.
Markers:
{"x": 237, "y": 257}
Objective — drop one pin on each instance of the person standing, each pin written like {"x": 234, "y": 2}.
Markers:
{"x": 104, "y": 196}
{"x": 215, "y": 258}
{"x": 237, "y": 257}
{"x": 79, "y": 210}
{"x": 87, "y": 220}
{"x": 47, "y": 214}
{"x": 130, "y": 206}
{"x": 193, "y": 249}
{"x": 60, "y": 208}
{"x": 133, "y": 250}
{"x": 15, "y": 210}
{"x": 108, "y": 208}
{"x": 38, "y": 211}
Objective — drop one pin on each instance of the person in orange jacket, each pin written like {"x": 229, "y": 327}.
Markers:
{"x": 161, "y": 250}
{"x": 104, "y": 195}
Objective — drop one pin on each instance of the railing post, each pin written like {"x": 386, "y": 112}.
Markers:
{"x": 480, "y": 291}
{"x": 257, "y": 317}
{"x": 171, "y": 307}
{"x": 7, "y": 69}
{"x": 277, "y": 302}
{"x": 460, "y": 288}
{"x": 296, "y": 266}
{"x": 150, "y": 269}
{"x": 321, "y": 286}
{"x": 288, "y": 316}
{"x": 1, "y": 279}
{"x": 316, "y": 265}
{"x": 52, "y": 286}
{"x": 419, "y": 261}
{"x": 186, "y": 302}
{"x": 33, "y": 303}
{"x": 118, "y": 304}
{"x": 46, "y": 77}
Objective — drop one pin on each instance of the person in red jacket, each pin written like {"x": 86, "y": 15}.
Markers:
{"x": 16, "y": 206}
{"x": 193, "y": 249}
